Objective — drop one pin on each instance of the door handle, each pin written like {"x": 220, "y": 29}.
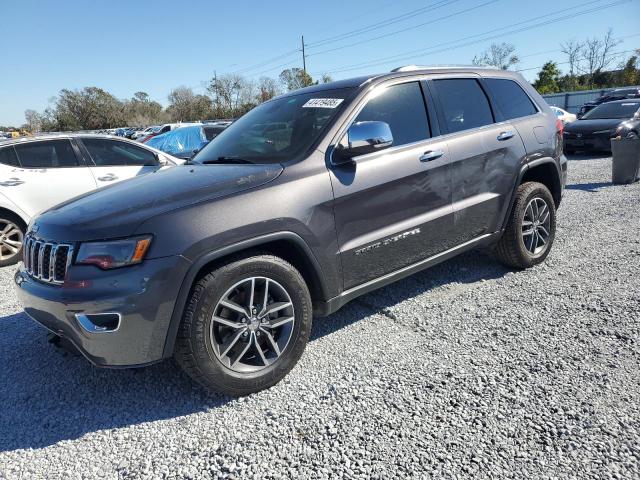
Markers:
{"x": 431, "y": 155}
{"x": 506, "y": 135}
{"x": 108, "y": 178}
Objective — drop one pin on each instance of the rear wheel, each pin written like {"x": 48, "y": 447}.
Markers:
{"x": 531, "y": 228}
{"x": 12, "y": 231}
{"x": 246, "y": 325}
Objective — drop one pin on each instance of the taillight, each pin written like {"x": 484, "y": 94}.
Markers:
{"x": 559, "y": 126}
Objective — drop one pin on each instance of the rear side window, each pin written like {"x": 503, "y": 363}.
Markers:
{"x": 510, "y": 98}
{"x": 463, "y": 103}
{"x": 112, "y": 153}
{"x": 46, "y": 154}
{"x": 8, "y": 157}
{"x": 402, "y": 107}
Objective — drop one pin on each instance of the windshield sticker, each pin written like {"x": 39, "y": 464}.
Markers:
{"x": 323, "y": 103}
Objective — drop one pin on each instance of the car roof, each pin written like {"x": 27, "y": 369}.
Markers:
{"x": 626, "y": 100}
{"x": 408, "y": 70}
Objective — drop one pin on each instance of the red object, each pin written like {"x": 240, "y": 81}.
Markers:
{"x": 145, "y": 139}
{"x": 559, "y": 126}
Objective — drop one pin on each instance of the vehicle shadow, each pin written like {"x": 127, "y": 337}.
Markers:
{"x": 589, "y": 187}
{"x": 48, "y": 395}
{"x": 589, "y": 156}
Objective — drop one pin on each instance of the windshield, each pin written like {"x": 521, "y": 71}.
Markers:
{"x": 278, "y": 130}
{"x": 613, "y": 110}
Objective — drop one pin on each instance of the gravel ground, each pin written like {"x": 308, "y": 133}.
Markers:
{"x": 467, "y": 370}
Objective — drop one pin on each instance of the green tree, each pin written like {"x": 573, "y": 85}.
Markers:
{"x": 185, "y": 106}
{"x": 295, "y": 78}
{"x": 548, "y": 79}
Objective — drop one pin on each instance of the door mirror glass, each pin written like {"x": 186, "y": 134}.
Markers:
{"x": 363, "y": 138}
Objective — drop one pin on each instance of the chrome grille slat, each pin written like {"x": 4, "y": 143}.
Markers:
{"x": 45, "y": 261}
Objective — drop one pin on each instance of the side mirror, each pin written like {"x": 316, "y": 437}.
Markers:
{"x": 363, "y": 138}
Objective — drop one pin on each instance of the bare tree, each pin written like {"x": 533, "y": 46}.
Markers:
{"x": 185, "y": 106}
{"x": 33, "y": 121}
{"x": 598, "y": 55}
{"x": 574, "y": 52}
{"x": 499, "y": 55}
{"x": 268, "y": 88}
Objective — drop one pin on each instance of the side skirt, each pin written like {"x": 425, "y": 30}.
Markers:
{"x": 323, "y": 309}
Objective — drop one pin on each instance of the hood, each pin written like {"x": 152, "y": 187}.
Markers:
{"x": 590, "y": 126}
{"x": 117, "y": 210}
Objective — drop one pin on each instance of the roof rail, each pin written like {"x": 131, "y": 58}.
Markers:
{"x": 411, "y": 68}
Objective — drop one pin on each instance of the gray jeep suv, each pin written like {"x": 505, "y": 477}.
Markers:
{"x": 306, "y": 202}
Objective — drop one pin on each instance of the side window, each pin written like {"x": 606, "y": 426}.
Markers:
{"x": 510, "y": 98}
{"x": 464, "y": 104}
{"x": 402, "y": 107}
{"x": 46, "y": 154}
{"x": 112, "y": 153}
{"x": 8, "y": 157}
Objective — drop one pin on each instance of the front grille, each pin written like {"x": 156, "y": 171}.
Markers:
{"x": 46, "y": 261}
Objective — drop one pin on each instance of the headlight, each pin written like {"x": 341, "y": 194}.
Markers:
{"x": 115, "y": 253}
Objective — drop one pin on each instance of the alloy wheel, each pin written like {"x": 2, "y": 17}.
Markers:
{"x": 252, "y": 324}
{"x": 536, "y": 226}
{"x": 11, "y": 238}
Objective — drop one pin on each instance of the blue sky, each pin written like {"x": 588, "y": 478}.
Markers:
{"x": 155, "y": 46}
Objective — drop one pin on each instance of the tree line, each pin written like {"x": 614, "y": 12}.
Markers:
{"x": 591, "y": 63}
{"x": 225, "y": 96}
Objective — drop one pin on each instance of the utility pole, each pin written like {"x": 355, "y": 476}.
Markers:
{"x": 304, "y": 58}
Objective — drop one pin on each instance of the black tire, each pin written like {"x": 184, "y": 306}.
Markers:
{"x": 195, "y": 350}
{"x": 511, "y": 249}
{"x": 8, "y": 218}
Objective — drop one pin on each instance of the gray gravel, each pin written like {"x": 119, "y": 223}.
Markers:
{"x": 467, "y": 370}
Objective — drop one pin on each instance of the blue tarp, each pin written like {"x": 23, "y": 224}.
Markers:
{"x": 180, "y": 142}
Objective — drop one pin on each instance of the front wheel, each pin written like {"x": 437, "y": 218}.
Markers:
{"x": 531, "y": 228}
{"x": 11, "y": 237}
{"x": 246, "y": 325}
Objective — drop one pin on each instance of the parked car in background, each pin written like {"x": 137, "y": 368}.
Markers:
{"x": 615, "y": 94}
{"x": 38, "y": 173}
{"x": 185, "y": 142}
{"x": 167, "y": 127}
{"x": 142, "y": 132}
{"x": 594, "y": 130}
{"x": 360, "y": 182}
{"x": 564, "y": 116}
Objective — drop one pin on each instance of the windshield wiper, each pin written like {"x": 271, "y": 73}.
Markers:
{"x": 225, "y": 159}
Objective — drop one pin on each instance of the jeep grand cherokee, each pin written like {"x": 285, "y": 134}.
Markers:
{"x": 306, "y": 202}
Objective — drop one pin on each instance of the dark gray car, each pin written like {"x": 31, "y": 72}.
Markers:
{"x": 304, "y": 203}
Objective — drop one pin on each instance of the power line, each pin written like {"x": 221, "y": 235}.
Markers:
{"x": 349, "y": 34}
{"x": 383, "y": 23}
{"x": 430, "y": 50}
{"x": 396, "y": 32}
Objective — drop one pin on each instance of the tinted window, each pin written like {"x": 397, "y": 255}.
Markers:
{"x": 212, "y": 132}
{"x": 8, "y": 157}
{"x": 277, "y": 130}
{"x": 614, "y": 110}
{"x": 402, "y": 107}
{"x": 107, "y": 153}
{"x": 47, "y": 154}
{"x": 511, "y": 99}
{"x": 464, "y": 104}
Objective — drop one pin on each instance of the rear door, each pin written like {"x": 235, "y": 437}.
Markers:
{"x": 393, "y": 207}
{"x": 485, "y": 155}
{"x": 49, "y": 172}
{"x": 112, "y": 160}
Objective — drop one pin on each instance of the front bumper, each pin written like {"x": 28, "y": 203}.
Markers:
{"x": 143, "y": 295}
{"x": 600, "y": 142}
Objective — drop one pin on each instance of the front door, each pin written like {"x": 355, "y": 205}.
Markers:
{"x": 47, "y": 173}
{"x": 116, "y": 160}
{"x": 393, "y": 207}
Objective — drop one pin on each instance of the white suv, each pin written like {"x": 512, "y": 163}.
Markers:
{"x": 38, "y": 173}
